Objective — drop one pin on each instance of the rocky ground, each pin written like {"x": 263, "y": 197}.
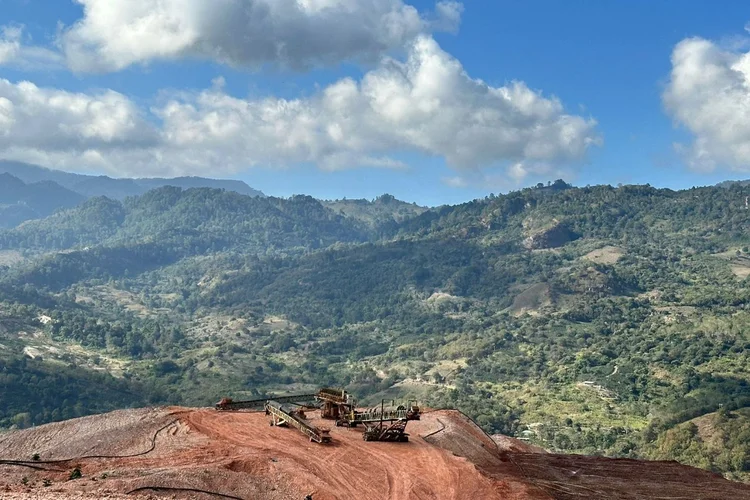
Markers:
{"x": 203, "y": 453}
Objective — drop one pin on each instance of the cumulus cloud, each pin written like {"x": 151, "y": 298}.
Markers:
{"x": 114, "y": 34}
{"x": 448, "y": 16}
{"x": 709, "y": 94}
{"x": 37, "y": 122}
{"x": 426, "y": 104}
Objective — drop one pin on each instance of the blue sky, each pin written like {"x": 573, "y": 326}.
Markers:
{"x": 605, "y": 61}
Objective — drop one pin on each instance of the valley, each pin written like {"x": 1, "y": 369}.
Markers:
{"x": 599, "y": 320}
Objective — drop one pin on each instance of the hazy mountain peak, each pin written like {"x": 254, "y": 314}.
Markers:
{"x": 102, "y": 185}
{"x": 21, "y": 201}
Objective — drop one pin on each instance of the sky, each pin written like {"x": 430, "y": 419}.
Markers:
{"x": 433, "y": 102}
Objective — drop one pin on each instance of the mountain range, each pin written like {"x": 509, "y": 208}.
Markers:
{"x": 32, "y": 192}
{"x": 599, "y": 320}
{"x": 20, "y": 201}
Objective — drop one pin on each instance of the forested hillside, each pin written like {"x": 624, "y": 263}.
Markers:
{"x": 596, "y": 320}
{"x": 224, "y": 219}
{"x": 381, "y": 212}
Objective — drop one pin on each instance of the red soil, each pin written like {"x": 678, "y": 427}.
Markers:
{"x": 239, "y": 455}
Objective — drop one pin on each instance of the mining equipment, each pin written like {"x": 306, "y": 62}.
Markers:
{"x": 228, "y": 404}
{"x": 384, "y": 432}
{"x": 409, "y": 412}
{"x": 335, "y": 403}
{"x": 288, "y": 415}
{"x": 390, "y": 413}
{"x": 383, "y": 423}
{"x": 412, "y": 412}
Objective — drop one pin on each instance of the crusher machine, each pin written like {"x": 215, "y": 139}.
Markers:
{"x": 391, "y": 413}
{"x": 383, "y": 423}
{"x": 288, "y": 415}
{"x": 386, "y": 431}
{"x": 335, "y": 403}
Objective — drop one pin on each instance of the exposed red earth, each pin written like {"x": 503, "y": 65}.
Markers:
{"x": 203, "y": 453}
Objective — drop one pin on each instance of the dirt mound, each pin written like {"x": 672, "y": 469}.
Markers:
{"x": 507, "y": 444}
{"x": 202, "y": 453}
{"x": 349, "y": 467}
{"x": 569, "y": 477}
{"x": 123, "y": 432}
{"x": 463, "y": 438}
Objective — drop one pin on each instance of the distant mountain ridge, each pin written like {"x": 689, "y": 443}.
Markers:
{"x": 20, "y": 201}
{"x": 90, "y": 186}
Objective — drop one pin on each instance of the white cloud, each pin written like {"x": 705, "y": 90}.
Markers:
{"x": 114, "y": 34}
{"x": 35, "y": 122}
{"x": 709, "y": 93}
{"x": 10, "y": 43}
{"x": 448, "y": 16}
{"x": 456, "y": 181}
{"x": 14, "y": 52}
{"x": 512, "y": 176}
{"x": 426, "y": 104}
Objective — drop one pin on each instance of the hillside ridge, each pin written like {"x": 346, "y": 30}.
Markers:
{"x": 627, "y": 317}
{"x": 21, "y": 201}
{"x": 186, "y": 451}
{"x": 116, "y": 188}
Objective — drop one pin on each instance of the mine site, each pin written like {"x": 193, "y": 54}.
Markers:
{"x": 322, "y": 447}
{"x": 374, "y": 249}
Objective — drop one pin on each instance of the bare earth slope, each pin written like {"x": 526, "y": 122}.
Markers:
{"x": 181, "y": 452}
